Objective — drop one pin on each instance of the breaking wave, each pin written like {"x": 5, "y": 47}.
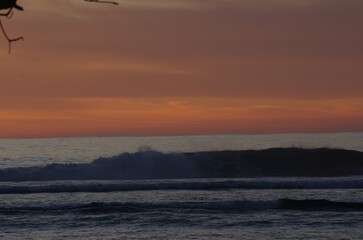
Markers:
{"x": 150, "y": 164}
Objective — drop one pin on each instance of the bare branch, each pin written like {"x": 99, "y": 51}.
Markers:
{"x": 10, "y": 40}
{"x": 8, "y": 13}
{"x": 101, "y": 1}
{"x": 9, "y": 5}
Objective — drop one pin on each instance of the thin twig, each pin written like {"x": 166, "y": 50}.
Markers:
{"x": 100, "y": 1}
{"x": 10, "y": 40}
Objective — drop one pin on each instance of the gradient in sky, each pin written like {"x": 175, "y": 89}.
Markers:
{"x": 155, "y": 67}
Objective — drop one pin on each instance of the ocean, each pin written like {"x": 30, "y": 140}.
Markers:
{"x": 183, "y": 187}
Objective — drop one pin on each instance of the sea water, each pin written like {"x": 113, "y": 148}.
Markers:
{"x": 224, "y": 208}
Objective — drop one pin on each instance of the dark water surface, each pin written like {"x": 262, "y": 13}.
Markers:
{"x": 208, "y": 208}
{"x": 185, "y": 214}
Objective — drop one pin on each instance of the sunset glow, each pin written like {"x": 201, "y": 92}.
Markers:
{"x": 182, "y": 67}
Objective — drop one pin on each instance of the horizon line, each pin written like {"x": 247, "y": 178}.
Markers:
{"x": 181, "y": 135}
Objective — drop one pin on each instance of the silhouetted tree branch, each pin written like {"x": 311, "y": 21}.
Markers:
{"x": 9, "y": 5}
{"x": 101, "y": 1}
{"x": 10, "y": 40}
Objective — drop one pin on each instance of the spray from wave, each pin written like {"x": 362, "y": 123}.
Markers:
{"x": 144, "y": 164}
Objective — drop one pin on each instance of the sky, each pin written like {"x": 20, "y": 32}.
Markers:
{"x": 170, "y": 67}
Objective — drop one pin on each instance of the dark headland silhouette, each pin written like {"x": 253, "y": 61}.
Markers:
{"x": 149, "y": 164}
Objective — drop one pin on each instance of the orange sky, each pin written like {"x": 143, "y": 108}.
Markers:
{"x": 155, "y": 67}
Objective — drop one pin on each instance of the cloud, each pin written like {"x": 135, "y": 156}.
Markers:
{"x": 132, "y": 67}
{"x": 274, "y": 49}
{"x": 136, "y": 116}
{"x": 186, "y": 66}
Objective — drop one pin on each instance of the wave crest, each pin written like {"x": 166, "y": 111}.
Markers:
{"x": 149, "y": 164}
